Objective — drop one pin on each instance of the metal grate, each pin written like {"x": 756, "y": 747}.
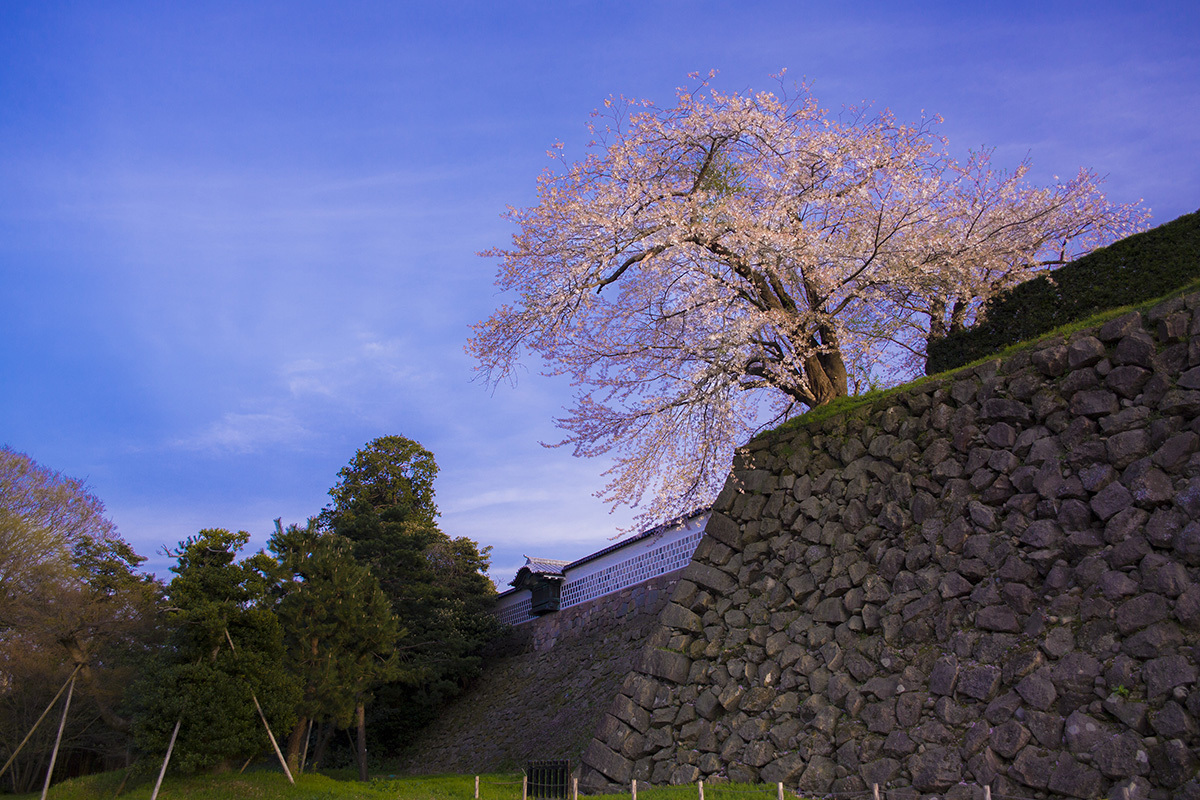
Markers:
{"x": 549, "y": 779}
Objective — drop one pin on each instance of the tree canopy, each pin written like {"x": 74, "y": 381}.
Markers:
{"x": 71, "y": 602}
{"x": 391, "y": 472}
{"x": 437, "y": 585}
{"x": 730, "y": 261}
{"x": 370, "y": 598}
{"x": 338, "y": 629}
{"x": 199, "y": 678}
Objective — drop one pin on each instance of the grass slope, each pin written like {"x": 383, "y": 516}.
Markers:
{"x": 272, "y": 785}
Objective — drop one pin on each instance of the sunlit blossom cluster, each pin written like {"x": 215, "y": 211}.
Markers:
{"x": 726, "y": 263}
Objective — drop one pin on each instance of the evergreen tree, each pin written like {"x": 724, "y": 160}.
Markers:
{"x": 339, "y": 631}
{"x": 437, "y": 585}
{"x": 215, "y": 602}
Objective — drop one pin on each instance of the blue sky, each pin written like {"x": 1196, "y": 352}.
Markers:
{"x": 237, "y": 240}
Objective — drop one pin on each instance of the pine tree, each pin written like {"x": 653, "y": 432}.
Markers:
{"x": 339, "y": 631}
{"x": 215, "y": 602}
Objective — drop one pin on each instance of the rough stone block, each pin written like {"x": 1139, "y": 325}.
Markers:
{"x": 724, "y": 530}
{"x": 1033, "y": 767}
{"x": 615, "y": 767}
{"x": 1037, "y": 690}
{"x": 1084, "y": 733}
{"x": 980, "y": 682}
{"x": 1172, "y": 722}
{"x": 936, "y": 769}
{"x": 1074, "y": 779}
{"x": 1164, "y": 674}
{"x": 667, "y": 664}
{"x": 719, "y": 581}
{"x": 1172, "y": 763}
{"x": 880, "y": 717}
{"x": 1094, "y": 403}
{"x": 1137, "y": 348}
{"x": 1160, "y": 639}
{"x": 1121, "y": 756}
{"x": 818, "y": 776}
{"x": 1141, "y": 611}
{"x": 784, "y": 769}
{"x": 1009, "y": 738}
{"x": 630, "y": 713}
{"x": 676, "y": 616}
{"x": 831, "y": 609}
{"x": 1112, "y": 498}
{"x": 997, "y": 618}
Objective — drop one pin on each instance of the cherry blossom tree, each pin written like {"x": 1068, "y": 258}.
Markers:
{"x": 723, "y": 264}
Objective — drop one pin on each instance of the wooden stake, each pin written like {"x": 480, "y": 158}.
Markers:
{"x": 124, "y": 780}
{"x": 62, "y": 723}
{"x": 875, "y": 790}
{"x": 524, "y": 787}
{"x": 17, "y": 752}
{"x": 476, "y": 787}
{"x": 307, "y": 740}
{"x": 166, "y": 760}
{"x": 701, "y": 785}
{"x": 987, "y": 793}
{"x": 263, "y": 717}
{"x": 574, "y": 788}
{"x": 274, "y": 744}
{"x": 633, "y": 789}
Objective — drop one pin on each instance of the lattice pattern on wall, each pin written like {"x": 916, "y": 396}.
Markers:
{"x": 517, "y": 613}
{"x": 642, "y": 567}
{"x": 636, "y": 569}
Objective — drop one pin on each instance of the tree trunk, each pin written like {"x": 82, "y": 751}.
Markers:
{"x": 295, "y": 744}
{"x": 361, "y": 713}
{"x": 323, "y": 737}
{"x": 826, "y": 371}
{"x": 80, "y": 659}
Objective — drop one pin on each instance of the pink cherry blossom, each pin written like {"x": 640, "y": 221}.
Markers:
{"x": 718, "y": 266}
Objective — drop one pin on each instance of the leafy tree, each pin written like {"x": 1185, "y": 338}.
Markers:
{"x": 391, "y": 472}
{"x": 43, "y": 516}
{"x": 437, "y": 586}
{"x": 720, "y": 265}
{"x": 198, "y": 677}
{"x": 71, "y": 602}
{"x": 339, "y": 631}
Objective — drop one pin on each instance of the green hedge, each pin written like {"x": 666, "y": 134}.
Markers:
{"x": 1133, "y": 270}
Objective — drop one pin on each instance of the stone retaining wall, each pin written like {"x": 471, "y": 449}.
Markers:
{"x": 991, "y": 578}
{"x": 546, "y": 700}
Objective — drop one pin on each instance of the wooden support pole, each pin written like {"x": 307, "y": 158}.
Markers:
{"x": 476, "y": 787}
{"x": 62, "y": 723}
{"x": 166, "y": 760}
{"x": 987, "y": 793}
{"x": 780, "y": 793}
{"x": 307, "y": 741}
{"x": 274, "y": 744}
{"x": 875, "y": 790}
{"x": 524, "y": 787}
{"x": 700, "y": 785}
{"x": 263, "y": 717}
{"x": 633, "y": 789}
{"x": 49, "y": 706}
{"x": 574, "y": 788}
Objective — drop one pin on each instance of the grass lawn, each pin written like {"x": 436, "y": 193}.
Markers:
{"x": 272, "y": 785}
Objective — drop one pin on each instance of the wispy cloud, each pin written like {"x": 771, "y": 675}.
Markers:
{"x": 246, "y": 433}
{"x": 497, "y": 497}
